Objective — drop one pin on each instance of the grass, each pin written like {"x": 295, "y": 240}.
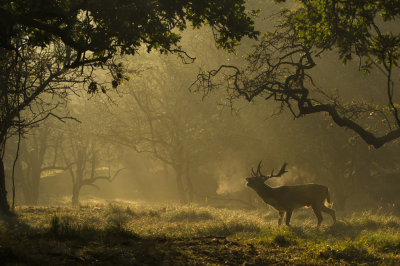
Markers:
{"x": 191, "y": 235}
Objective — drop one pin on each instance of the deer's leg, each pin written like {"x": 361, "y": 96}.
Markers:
{"x": 318, "y": 214}
{"x": 288, "y": 216}
{"x": 330, "y": 212}
{"x": 281, "y": 215}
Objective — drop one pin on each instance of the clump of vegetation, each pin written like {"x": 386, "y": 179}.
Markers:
{"x": 153, "y": 213}
{"x": 191, "y": 214}
{"x": 283, "y": 239}
{"x": 68, "y": 226}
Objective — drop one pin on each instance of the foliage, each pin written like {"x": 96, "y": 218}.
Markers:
{"x": 99, "y": 30}
{"x": 280, "y": 65}
{"x": 353, "y": 27}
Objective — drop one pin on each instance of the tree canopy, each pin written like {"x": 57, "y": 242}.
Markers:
{"x": 99, "y": 29}
{"x": 280, "y": 66}
{"x": 354, "y": 28}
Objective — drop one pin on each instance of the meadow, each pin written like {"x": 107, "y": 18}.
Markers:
{"x": 135, "y": 234}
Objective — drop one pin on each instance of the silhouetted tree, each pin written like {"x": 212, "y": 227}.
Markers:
{"x": 279, "y": 68}
{"x": 30, "y": 91}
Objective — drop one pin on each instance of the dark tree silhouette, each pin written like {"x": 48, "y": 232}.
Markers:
{"x": 279, "y": 67}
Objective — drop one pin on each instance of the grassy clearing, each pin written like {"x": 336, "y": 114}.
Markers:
{"x": 191, "y": 235}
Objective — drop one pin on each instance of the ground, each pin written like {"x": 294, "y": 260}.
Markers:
{"x": 133, "y": 234}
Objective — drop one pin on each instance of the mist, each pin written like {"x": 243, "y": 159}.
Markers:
{"x": 157, "y": 138}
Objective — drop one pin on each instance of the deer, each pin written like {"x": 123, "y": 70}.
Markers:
{"x": 286, "y": 199}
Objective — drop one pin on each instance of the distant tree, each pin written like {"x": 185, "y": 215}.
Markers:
{"x": 159, "y": 117}
{"x": 85, "y": 159}
{"x": 38, "y": 154}
{"x": 280, "y": 66}
{"x": 82, "y": 152}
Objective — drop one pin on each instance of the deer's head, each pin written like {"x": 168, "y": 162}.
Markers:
{"x": 257, "y": 178}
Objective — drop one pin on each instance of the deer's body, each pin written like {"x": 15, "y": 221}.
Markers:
{"x": 286, "y": 199}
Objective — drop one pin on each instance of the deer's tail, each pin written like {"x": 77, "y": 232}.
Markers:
{"x": 328, "y": 198}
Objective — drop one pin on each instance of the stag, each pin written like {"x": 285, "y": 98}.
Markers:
{"x": 286, "y": 199}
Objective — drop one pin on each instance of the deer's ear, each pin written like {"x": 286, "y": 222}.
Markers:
{"x": 264, "y": 178}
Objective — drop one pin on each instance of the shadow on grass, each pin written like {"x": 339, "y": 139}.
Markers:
{"x": 66, "y": 243}
{"x": 113, "y": 246}
{"x": 10, "y": 247}
{"x": 12, "y": 222}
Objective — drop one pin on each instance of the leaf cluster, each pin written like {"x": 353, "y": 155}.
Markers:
{"x": 354, "y": 28}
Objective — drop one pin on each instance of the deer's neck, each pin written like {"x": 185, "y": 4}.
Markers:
{"x": 267, "y": 193}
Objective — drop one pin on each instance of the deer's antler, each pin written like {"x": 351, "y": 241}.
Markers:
{"x": 258, "y": 173}
{"x": 264, "y": 178}
{"x": 281, "y": 172}
{"x": 252, "y": 172}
